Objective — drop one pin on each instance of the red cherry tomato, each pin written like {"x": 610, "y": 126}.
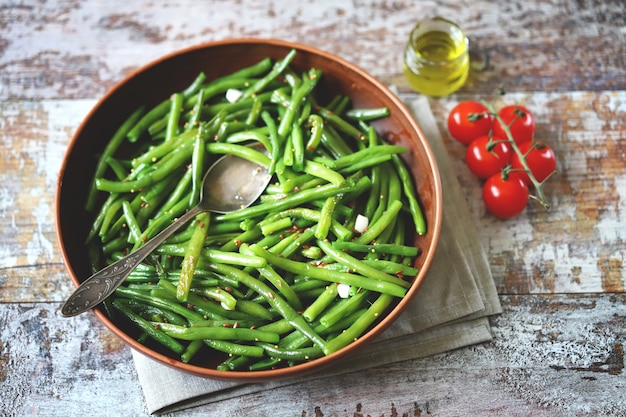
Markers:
{"x": 540, "y": 159}
{"x": 520, "y": 120}
{"x": 469, "y": 120}
{"x": 505, "y": 198}
{"x": 485, "y": 158}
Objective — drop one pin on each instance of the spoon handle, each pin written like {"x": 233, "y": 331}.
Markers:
{"x": 103, "y": 283}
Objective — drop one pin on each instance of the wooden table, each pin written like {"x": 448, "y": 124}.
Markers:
{"x": 558, "y": 348}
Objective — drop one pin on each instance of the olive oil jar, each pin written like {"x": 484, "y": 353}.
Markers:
{"x": 436, "y": 57}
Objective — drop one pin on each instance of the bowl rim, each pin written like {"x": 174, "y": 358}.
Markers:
{"x": 302, "y": 368}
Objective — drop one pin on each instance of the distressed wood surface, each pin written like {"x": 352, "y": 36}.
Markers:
{"x": 554, "y": 355}
{"x": 558, "y": 348}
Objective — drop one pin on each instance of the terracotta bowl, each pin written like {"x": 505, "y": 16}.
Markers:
{"x": 154, "y": 82}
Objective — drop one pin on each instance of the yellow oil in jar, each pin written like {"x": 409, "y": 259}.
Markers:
{"x": 436, "y": 58}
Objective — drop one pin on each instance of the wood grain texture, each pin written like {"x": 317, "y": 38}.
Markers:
{"x": 77, "y": 49}
{"x": 551, "y": 356}
{"x": 558, "y": 348}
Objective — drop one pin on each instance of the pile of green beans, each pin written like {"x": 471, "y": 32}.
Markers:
{"x": 286, "y": 280}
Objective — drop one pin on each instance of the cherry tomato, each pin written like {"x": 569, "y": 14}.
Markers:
{"x": 505, "y": 197}
{"x": 469, "y": 120}
{"x": 540, "y": 159}
{"x": 520, "y": 120}
{"x": 484, "y": 162}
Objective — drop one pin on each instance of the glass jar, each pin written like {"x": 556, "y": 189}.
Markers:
{"x": 436, "y": 57}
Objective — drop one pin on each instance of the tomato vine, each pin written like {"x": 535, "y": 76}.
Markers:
{"x": 487, "y": 131}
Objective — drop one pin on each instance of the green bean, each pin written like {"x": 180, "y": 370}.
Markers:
{"x": 295, "y": 199}
{"x": 303, "y": 354}
{"x": 154, "y": 153}
{"x": 164, "y": 219}
{"x": 218, "y": 333}
{"x": 297, "y": 147}
{"x": 117, "y": 167}
{"x": 275, "y": 141}
{"x": 149, "y": 329}
{"x": 391, "y": 267}
{"x": 383, "y": 195}
{"x": 358, "y": 266}
{"x": 109, "y": 150}
{"x": 267, "y": 272}
{"x": 334, "y": 142}
{"x": 161, "y": 109}
{"x": 273, "y": 227}
{"x": 295, "y": 102}
{"x": 368, "y": 114}
{"x": 161, "y": 170}
{"x": 281, "y": 327}
{"x": 240, "y": 151}
{"x": 236, "y": 362}
{"x": 147, "y": 119}
{"x": 217, "y": 86}
{"x": 356, "y": 330}
{"x": 166, "y": 315}
{"x": 312, "y": 252}
{"x": 342, "y": 125}
{"x": 343, "y": 308}
{"x": 358, "y": 156}
{"x": 214, "y": 255}
{"x": 197, "y": 164}
{"x": 251, "y": 71}
{"x": 381, "y": 224}
{"x": 109, "y": 216}
{"x": 247, "y": 236}
{"x": 101, "y": 216}
{"x": 114, "y": 245}
{"x": 316, "y": 124}
{"x": 191, "y": 350}
{"x": 195, "y": 86}
{"x": 323, "y": 301}
{"x": 330, "y": 276}
{"x": 159, "y": 302}
{"x": 255, "y": 111}
{"x": 322, "y": 171}
{"x": 176, "y": 108}
{"x": 228, "y": 323}
{"x": 133, "y": 228}
{"x": 282, "y": 306}
{"x": 277, "y": 69}
{"x": 196, "y": 113}
{"x": 208, "y": 309}
{"x": 231, "y": 348}
{"x": 254, "y": 309}
{"x": 409, "y": 191}
{"x": 192, "y": 254}
{"x": 395, "y": 249}
{"x": 259, "y": 134}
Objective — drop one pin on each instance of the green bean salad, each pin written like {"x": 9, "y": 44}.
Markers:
{"x": 302, "y": 272}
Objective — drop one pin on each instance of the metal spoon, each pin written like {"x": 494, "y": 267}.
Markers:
{"x": 231, "y": 183}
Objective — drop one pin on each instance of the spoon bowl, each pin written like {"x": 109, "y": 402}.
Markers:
{"x": 230, "y": 184}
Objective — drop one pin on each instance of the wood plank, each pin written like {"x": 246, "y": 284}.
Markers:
{"x": 78, "y": 50}
{"x": 552, "y": 355}
{"x": 33, "y": 139}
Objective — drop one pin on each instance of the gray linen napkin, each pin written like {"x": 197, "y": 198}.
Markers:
{"x": 450, "y": 311}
